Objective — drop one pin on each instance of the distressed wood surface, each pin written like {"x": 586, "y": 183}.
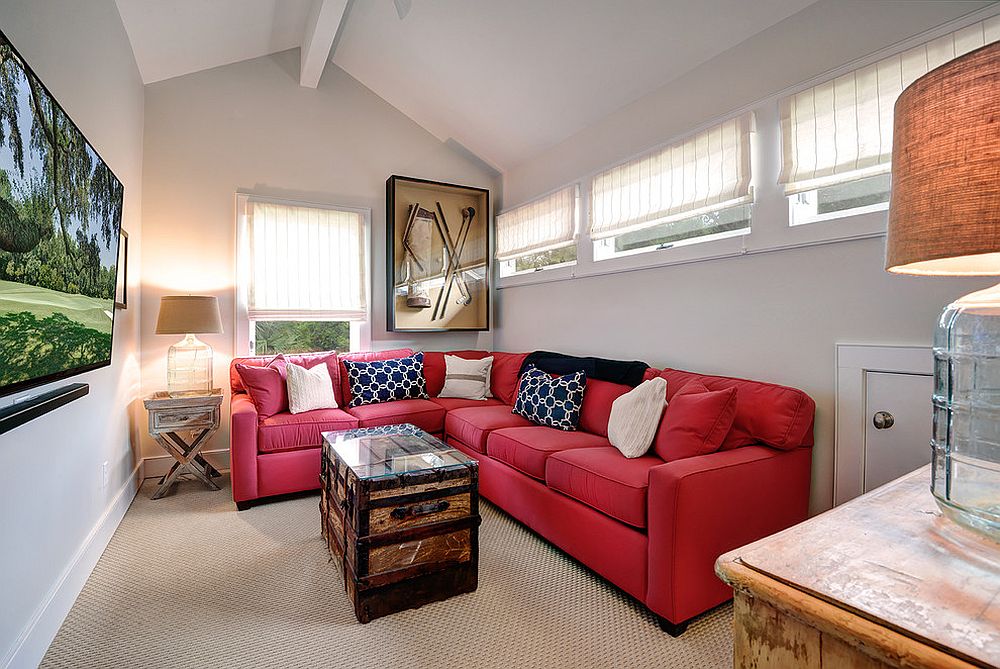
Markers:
{"x": 885, "y": 575}
{"x": 421, "y": 487}
{"x": 401, "y": 541}
{"x": 440, "y": 549}
{"x": 163, "y": 400}
{"x": 387, "y": 519}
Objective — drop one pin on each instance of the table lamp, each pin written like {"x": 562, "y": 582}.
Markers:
{"x": 944, "y": 220}
{"x": 189, "y": 361}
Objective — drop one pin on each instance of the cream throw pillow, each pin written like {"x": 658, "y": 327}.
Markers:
{"x": 635, "y": 417}
{"x": 466, "y": 379}
{"x": 309, "y": 389}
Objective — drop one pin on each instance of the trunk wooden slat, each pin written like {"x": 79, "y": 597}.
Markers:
{"x": 401, "y": 540}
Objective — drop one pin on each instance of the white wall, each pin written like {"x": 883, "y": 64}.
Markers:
{"x": 774, "y": 316}
{"x": 250, "y": 127}
{"x": 55, "y": 517}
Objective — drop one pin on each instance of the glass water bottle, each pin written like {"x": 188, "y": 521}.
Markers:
{"x": 966, "y": 441}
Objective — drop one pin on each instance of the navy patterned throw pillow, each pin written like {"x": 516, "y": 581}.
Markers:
{"x": 386, "y": 380}
{"x": 554, "y": 402}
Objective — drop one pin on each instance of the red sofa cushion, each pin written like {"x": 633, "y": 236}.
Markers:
{"x": 434, "y": 367}
{"x": 425, "y": 414}
{"x": 287, "y": 431}
{"x": 604, "y": 479}
{"x": 310, "y": 360}
{"x": 235, "y": 382}
{"x": 766, "y": 413}
{"x": 473, "y": 425}
{"x": 505, "y": 374}
{"x": 695, "y": 422}
{"x": 597, "y": 400}
{"x": 344, "y": 394}
{"x": 307, "y": 360}
{"x": 527, "y": 448}
{"x": 265, "y": 386}
{"x": 452, "y": 403}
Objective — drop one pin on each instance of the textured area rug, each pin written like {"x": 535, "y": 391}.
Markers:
{"x": 187, "y": 581}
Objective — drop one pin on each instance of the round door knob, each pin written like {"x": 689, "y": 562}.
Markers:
{"x": 883, "y": 420}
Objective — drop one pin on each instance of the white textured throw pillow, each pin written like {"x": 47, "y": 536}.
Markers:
{"x": 466, "y": 379}
{"x": 309, "y": 389}
{"x": 635, "y": 417}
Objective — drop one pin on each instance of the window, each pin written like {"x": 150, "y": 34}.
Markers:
{"x": 271, "y": 337}
{"x": 842, "y": 199}
{"x": 836, "y": 138}
{"x": 302, "y": 278}
{"x": 693, "y": 191}
{"x": 540, "y": 234}
{"x": 709, "y": 226}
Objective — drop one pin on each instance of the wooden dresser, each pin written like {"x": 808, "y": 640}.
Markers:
{"x": 881, "y": 581}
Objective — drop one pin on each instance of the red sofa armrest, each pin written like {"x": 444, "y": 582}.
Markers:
{"x": 702, "y": 507}
{"x": 243, "y": 448}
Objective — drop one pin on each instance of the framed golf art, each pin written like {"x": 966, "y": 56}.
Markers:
{"x": 438, "y": 253}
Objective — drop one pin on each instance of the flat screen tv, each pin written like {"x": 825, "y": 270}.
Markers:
{"x": 60, "y": 219}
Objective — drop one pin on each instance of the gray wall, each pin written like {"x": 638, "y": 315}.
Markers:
{"x": 774, "y": 316}
{"x": 250, "y": 127}
{"x": 51, "y": 497}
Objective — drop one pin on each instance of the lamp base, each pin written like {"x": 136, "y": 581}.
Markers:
{"x": 965, "y": 474}
{"x": 189, "y": 368}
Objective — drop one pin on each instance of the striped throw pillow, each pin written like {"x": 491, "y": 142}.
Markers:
{"x": 466, "y": 379}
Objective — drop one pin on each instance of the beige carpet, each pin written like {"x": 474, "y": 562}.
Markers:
{"x": 189, "y": 582}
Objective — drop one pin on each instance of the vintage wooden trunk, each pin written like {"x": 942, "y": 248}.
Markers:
{"x": 400, "y": 513}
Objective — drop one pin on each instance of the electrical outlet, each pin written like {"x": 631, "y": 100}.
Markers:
{"x": 104, "y": 475}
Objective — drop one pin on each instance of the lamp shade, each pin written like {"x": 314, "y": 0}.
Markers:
{"x": 944, "y": 213}
{"x": 189, "y": 314}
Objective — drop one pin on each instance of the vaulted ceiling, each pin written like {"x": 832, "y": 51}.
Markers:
{"x": 504, "y": 78}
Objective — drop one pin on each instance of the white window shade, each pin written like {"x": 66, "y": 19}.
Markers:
{"x": 305, "y": 262}
{"x": 542, "y": 225}
{"x": 841, "y": 130}
{"x": 707, "y": 172}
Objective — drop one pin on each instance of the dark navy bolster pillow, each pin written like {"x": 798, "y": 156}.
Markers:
{"x": 624, "y": 372}
{"x": 376, "y": 381}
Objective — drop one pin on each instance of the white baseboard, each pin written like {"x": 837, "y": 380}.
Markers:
{"x": 30, "y": 646}
{"x": 158, "y": 465}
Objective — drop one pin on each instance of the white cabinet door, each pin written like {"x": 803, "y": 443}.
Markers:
{"x": 897, "y": 425}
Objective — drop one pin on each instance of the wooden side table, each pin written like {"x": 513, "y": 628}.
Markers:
{"x": 182, "y": 426}
{"x": 881, "y": 581}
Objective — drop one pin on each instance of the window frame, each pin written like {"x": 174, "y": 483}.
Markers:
{"x": 577, "y": 218}
{"x": 243, "y": 330}
{"x": 771, "y": 228}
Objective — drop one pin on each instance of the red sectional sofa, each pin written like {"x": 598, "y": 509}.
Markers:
{"x": 653, "y": 528}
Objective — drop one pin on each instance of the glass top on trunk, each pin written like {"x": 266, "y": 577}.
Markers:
{"x": 390, "y": 450}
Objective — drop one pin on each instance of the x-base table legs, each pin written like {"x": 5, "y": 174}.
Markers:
{"x": 188, "y": 459}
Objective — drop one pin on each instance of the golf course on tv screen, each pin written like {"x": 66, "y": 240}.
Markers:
{"x": 60, "y": 218}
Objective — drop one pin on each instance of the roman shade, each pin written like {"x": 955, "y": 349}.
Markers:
{"x": 540, "y": 225}
{"x": 706, "y": 172}
{"x": 841, "y": 130}
{"x": 305, "y": 263}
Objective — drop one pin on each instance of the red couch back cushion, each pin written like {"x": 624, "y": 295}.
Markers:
{"x": 695, "y": 422}
{"x": 597, "y": 400}
{"x": 265, "y": 385}
{"x": 307, "y": 360}
{"x": 766, "y": 413}
{"x": 505, "y": 374}
{"x": 434, "y": 367}
{"x": 344, "y": 395}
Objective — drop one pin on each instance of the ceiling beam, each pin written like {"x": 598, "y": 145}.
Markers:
{"x": 324, "y": 21}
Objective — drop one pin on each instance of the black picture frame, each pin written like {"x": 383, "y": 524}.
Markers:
{"x": 121, "y": 280}
{"x": 399, "y": 198}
